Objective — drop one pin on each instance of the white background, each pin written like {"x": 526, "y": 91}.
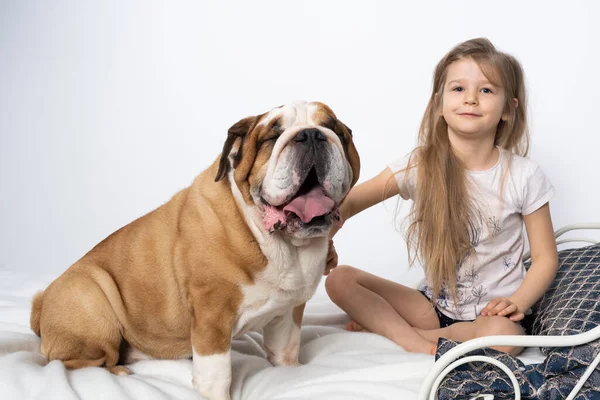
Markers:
{"x": 107, "y": 108}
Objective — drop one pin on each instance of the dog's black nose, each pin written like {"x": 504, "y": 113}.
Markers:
{"x": 310, "y": 134}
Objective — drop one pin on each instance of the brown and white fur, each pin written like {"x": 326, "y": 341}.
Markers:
{"x": 220, "y": 258}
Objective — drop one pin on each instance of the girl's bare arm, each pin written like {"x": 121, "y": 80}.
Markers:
{"x": 367, "y": 194}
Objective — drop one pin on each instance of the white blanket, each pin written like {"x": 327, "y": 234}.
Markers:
{"x": 335, "y": 364}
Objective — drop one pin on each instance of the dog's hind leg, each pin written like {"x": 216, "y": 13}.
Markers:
{"x": 78, "y": 325}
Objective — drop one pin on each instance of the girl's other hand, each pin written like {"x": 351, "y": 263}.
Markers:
{"x": 332, "y": 258}
{"x": 503, "y": 307}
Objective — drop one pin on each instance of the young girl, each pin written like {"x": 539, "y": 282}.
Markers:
{"x": 472, "y": 189}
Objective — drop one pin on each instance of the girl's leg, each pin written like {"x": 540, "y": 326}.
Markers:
{"x": 482, "y": 326}
{"x": 383, "y": 307}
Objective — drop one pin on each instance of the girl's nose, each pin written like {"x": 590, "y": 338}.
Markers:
{"x": 470, "y": 98}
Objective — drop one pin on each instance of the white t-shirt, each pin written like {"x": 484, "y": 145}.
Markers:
{"x": 494, "y": 268}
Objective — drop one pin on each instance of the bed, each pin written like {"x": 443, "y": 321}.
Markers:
{"x": 335, "y": 364}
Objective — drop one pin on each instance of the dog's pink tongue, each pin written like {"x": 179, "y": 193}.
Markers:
{"x": 310, "y": 205}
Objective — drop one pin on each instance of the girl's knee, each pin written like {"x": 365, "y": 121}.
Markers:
{"x": 495, "y": 325}
{"x": 512, "y": 350}
{"x": 338, "y": 280}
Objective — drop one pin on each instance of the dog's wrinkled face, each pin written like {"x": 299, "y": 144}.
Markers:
{"x": 295, "y": 163}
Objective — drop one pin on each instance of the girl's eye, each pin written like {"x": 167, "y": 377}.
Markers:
{"x": 458, "y": 89}
{"x": 487, "y": 90}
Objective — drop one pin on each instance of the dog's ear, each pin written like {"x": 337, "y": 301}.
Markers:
{"x": 239, "y": 129}
{"x": 350, "y": 149}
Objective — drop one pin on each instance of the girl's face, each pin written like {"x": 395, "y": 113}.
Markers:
{"x": 471, "y": 105}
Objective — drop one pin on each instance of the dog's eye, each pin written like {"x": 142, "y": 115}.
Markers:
{"x": 275, "y": 131}
{"x": 276, "y": 128}
{"x": 332, "y": 124}
{"x": 269, "y": 139}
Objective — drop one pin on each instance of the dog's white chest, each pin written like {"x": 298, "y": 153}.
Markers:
{"x": 286, "y": 282}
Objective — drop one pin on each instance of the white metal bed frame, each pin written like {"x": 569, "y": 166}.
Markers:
{"x": 449, "y": 361}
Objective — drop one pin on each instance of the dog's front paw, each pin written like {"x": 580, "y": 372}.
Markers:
{"x": 283, "y": 359}
{"x": 212, "y": 390}
{"x": 287, "y": 356}
{"x": 282, "y": 362}
{"x": 211, "y": 375}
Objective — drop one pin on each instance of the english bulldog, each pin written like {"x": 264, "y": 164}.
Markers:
{"x": 243, "y": 248}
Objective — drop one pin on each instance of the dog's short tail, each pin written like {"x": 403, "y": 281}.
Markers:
{"x": 36, "y": 311}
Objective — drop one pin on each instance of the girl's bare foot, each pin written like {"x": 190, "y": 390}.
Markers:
{"x": 423, "y": 346}
{"x": 433, "y": 350}
{"x": 354, "y": 326}
{"x": 433, "y": 346}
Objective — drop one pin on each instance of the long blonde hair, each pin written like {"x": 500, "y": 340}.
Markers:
{"x": 444, "y": 221}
